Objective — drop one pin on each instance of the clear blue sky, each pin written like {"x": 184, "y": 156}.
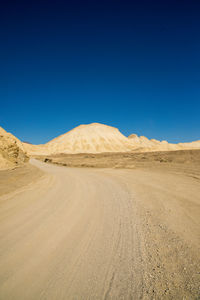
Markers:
{"x": 130, "y": 64}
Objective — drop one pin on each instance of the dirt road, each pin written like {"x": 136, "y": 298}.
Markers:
{"x": 101, "y": 234}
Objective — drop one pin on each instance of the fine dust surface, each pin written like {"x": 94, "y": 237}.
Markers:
{"x": 18, "y": 177}
{"x": 80, "y": 233}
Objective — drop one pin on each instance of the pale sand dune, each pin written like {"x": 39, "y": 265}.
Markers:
{"x": 99, "y": 138}
{"x": 101, "y": 234}
{"x": 12, "y": 151}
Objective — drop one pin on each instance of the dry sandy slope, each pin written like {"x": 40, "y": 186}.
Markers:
{"x": 143, "y": 144}
{"x": 101, "y": 234}
{"x": 91, "y": 138}
{"x": 100, "y": 138}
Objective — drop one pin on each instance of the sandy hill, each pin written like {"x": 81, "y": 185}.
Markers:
{"x": 91, "y": 138}
{"x": 12, "y": 151}
{"x": 192, "y": 145}
{"x": 99, "y": 138}
{"x": 144, "y": 144}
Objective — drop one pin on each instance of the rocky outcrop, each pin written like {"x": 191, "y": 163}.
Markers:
{"x": 12, "y": 151}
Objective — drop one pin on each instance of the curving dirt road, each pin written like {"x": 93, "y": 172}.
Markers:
{"x": 100, "y": 234}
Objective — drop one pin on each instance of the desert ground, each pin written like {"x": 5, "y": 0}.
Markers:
{"x": 101, "y": 226}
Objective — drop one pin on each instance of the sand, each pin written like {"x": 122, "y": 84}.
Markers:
{"x": 184, "y": 159}
{"x": 100, "y": 138}
{"x": 92, "y": 138}
{"x": 16, "y": 178}
{"x": 91, "y": 233}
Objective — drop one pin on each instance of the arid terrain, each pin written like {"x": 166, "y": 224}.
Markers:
{"x": 128, "y": 160}
{"x": 125, "y": 227}
{"x": 12, "y": 152}
{"x": 100, "y": 138}
{"x": 100, "y": 150}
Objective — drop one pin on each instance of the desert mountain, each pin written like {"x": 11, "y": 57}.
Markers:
{"x": 91, "y": 138}
{"x": 12, "y": 151}
{"x": 192, "y": 145}
{"x": 144, "y": 144}
{"x": 98, "y": 138}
